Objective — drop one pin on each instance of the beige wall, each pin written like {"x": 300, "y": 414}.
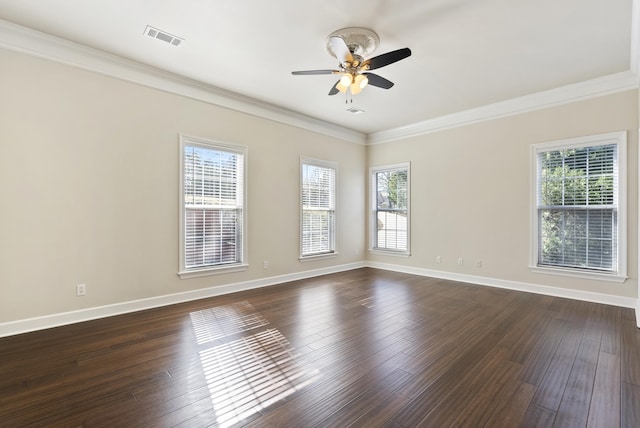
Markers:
{"x": 89, "y": 189}
{"x": 471, "y": 190}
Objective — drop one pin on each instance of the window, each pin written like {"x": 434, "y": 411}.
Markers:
{"x": 579, "y": 219}
{"x": 390, "y": 208}
{"x": 212, "y": 214}
{"x": 318, "y": 194}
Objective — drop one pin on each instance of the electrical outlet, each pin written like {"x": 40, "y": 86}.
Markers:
{"x": 460, "y": 261}
{"x": 438, "y": 259}
{"x": 478, "y": 263}
{"x": 265, "y": 264}
{"x": 81, "y": 289}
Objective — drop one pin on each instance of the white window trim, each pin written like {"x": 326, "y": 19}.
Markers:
{"x": 373, "y": 205}
{"x": 318, "y": 257}
{"x": 183, "y": 272}
{"x": 619, "y": 138}
{"x": 334, "y": 252}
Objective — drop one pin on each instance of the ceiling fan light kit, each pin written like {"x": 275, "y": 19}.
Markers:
{"x": 350, "y": 46}
{"x": 354, "y": 83}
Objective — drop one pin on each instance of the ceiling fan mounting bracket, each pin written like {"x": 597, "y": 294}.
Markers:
{"x": 360, "y": 41}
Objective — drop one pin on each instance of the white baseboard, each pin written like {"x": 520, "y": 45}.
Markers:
{"x": 65, "y": 318}
{"x": 607, "y": 299}
{"x": 59, "y": 319}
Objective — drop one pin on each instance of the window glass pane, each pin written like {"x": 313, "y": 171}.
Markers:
{"x": 213, "y": 212}
{"x": 577, "y": 207}
{"x": 318, "y": 209}
{"x": 316, "y": 232}
{"x": 391, "y": 205}
{"x": 212, "y": 177}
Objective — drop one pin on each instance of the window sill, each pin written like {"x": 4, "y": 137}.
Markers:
{"x": 390, "y": 252}
{"x": 576, "y": 273}
{"x": 219, "y": 270}
{"x": 317, "y": 257}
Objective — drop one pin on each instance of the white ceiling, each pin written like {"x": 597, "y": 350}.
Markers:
{"x": 466, "y": 53}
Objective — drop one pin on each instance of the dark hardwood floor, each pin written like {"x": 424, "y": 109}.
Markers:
{"x": 364, "y": 348}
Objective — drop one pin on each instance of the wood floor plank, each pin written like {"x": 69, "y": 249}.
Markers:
{"x": 577, "y": 396}
{"x": 380, "y": 415}
{"x": 361, "y": 348}
{"x": 478, "y": 408}
{"x": 510, "y": 412}
{"x": 551, "y": 388}
{"x": 525, "y": 333}
{"x": 367, "y": 401}
{"x": 629, "y": 353}
{"x": 611, "y": 333}
{"x": 430, "y": 366}
{"x": 537, "y": 417}
{"x": 538, "y": 359}
{"x": 423, "y": 403}
{"x": 630, "y": 414}
{"x": 604, "y": 410}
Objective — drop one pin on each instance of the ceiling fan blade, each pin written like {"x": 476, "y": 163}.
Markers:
{"x": 313, "y": 72}
{"x": 334, "y": 89}
{"x": 340, "y": 49}
{"x": 378, "y": 81}
{"x": 387, "y": 58}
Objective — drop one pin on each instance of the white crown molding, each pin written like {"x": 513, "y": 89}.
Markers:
{"x": 17, "y": 38}
{"x": 586, "y": 296}
{"x": 25, "y": 40}
{"x": 21, "y": 39}
{"x": 65, "y": 318}
{"x": 601, "y": 86}
{"x": 618, "y": 82}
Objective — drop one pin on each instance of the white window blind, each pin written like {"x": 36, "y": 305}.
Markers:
{"x": 213, "y": 187}
{"x": 390, "y": 198}
{"x": 578, "y": 201}
{"x": 318, "y": 208}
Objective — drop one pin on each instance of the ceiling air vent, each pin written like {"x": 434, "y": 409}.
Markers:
{"x": 162, "y": 35}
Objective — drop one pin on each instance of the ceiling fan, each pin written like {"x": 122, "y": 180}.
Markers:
{"x": 350, "y": 46}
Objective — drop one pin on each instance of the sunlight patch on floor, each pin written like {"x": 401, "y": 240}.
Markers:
{"x": 215, "y": 323}
{"x": 249, "y": 374}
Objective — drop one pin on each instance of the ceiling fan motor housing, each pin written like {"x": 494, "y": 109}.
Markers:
{"x": 360, "y": 41}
